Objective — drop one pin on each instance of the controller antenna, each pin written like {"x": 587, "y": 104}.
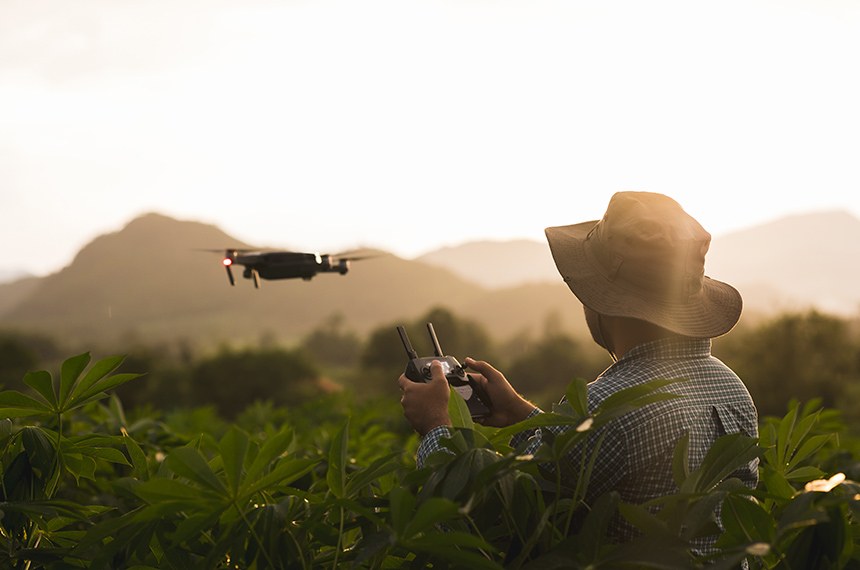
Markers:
{"x": 434, "y": 340}
{"x": 404, "y": 338}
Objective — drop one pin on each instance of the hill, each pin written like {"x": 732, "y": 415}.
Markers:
{"x": 497, "y": 264}
{"x": 795, "y": 262}
{"x": 149, "y": 283}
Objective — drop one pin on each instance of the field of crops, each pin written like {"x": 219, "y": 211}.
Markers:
{"x": 333, "y": 484}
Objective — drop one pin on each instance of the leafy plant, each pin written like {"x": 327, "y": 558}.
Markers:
{"x": 332, "y": 484}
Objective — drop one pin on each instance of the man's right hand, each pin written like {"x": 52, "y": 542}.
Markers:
{"x": 507, "y": 407}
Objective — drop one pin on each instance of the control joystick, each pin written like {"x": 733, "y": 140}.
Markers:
{"x": 418, "y": 370}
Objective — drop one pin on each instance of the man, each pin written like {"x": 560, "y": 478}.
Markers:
{"x": 639, "y": 274}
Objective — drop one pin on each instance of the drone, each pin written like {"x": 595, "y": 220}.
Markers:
{"x": 260, "y": 264}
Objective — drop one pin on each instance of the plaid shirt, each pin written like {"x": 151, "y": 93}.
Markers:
{"x": 635, "y": 458}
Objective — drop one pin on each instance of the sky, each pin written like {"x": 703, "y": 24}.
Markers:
{"x": 410, "y": 125}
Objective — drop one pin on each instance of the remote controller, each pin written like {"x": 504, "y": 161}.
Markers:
{"x": 418, "y": 370}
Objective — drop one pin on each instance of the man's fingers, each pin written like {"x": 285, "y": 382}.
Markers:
{"x": 485, "y": 368}
{"x": 403, "y": 382}
{"x": 437, "y": 373}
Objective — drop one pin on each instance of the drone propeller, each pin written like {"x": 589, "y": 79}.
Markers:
{"x": 354, "y": 255}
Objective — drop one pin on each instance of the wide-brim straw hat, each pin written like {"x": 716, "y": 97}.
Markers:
{"x": 645, "y": 259}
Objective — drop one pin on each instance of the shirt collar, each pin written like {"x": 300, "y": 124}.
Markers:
{"x": 670, "y": 348}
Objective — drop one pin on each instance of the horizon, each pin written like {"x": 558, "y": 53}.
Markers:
{"x": 409, "y": 127}
{"x": 11, "y": 274}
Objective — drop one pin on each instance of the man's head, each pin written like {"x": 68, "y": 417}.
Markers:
{"x": 645, "y": 259}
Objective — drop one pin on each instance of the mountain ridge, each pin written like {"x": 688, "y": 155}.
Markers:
{"x": 149, "y": 282}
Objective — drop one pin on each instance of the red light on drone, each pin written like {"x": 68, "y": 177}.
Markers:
{"x": 227, "y": 262}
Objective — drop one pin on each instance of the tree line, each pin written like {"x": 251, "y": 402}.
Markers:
{"x": 793, "y": 356}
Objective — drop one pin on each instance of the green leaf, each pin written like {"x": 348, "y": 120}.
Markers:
{"x": 52, "y": 508}
{"x": 593, "y": 532}
{"x": 401, "y": 504}
{"x": 433, "y": 511}
{"x": 40, "y": 450}
{"x": 637, "y": 396}
{"x": 577, "y": 397}
{"x": 783, "y": 436}
{"x": 138, "y": 458}
{"x": 804, "y": 474}
{"x": 98, "y": 390}
{"x": 681, "y": 461}
{"x": 80, "y": 466}
{"x": 42, "y": 383}
{"x": 807, "y": 449}
{"x": 775, "y": 482}
{"x": 14, "y": 404}
{"x": 273, "y": 447}
{"x": 108, "y": 454}
{"x": 161, "y": 490}
{"x": 5, "y": 431}
{"x": 336, "y": 474}
{"x": 746, "y": 521}
{"x": 287, "y": 471}
{"x": 726, "y": 455}
{"x": 453, "y": 552}
{"x": 380, "y": 467}
{"x": 234, "y": 448}
{"x": 458, "y": 411}
{"x": 70, "y": 371}
{"x": 189, "y": 463}
{"x": 98, "y": 371}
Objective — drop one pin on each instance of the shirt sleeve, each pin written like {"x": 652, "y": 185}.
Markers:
{"x": 430, "y": 444}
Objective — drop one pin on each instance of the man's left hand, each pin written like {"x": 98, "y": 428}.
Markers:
{"x": 425, "y": 404}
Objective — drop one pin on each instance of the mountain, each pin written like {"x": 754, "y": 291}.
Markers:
{"x": 795, "y": 262}
{"x": 792, "y": 263}
{"x": 497, "y": 264}
{"x": 9, "y": 275}
{"x": 149, "y": 283}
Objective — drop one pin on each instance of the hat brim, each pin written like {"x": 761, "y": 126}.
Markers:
{"x": 714, "y": 311}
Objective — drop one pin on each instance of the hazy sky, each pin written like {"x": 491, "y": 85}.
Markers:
{"x": 413, "y": 124}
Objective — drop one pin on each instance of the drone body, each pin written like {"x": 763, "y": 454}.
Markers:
{"x": 283, "y": 264}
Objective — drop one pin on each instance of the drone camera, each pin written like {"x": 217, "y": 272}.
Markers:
{"x": 418, "y": 370}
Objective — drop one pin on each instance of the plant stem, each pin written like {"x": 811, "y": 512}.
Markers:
{"x": 254, "y": 534}
{"x": 339, "y": 539}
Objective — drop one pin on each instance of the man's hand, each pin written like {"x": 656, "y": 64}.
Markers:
{"x": 425, "y": 404}
{"x": 507, "y": 406}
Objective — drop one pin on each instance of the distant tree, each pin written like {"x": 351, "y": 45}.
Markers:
{"x": 165, "y": 377}
{"x": 16, "y": 359}
{"x": 457, "y": 336}
{"x": 545, "y": 367}
{"x": 331, "y": 344}
{"x": 22, "y": 353}
{"x": 232, "y": 380}
{"x": 795, "y": 356}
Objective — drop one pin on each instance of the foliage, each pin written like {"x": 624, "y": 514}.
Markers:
{"x": 797, "y": 356}
{"x": 792, "y": 356}
{"x": 20, "y": 353}
{"x": 332, "y": 484}
{"x": 547, "y": 367}
{"x": 332, "y": 344}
